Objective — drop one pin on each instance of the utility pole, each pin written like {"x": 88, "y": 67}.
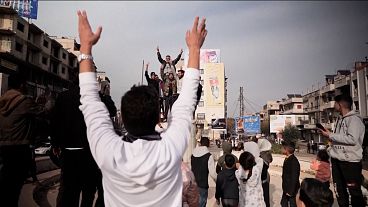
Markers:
{"x": 241, "y": 100}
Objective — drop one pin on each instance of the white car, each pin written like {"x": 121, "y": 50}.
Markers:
{"x": 44, "y": 149}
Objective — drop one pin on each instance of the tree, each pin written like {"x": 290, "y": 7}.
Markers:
{"x": 291, "y": 133}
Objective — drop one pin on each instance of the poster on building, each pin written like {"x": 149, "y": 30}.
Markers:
{"x": 206, "y": 56}
{"x": 214, "y": 84}
{"x": 278, "y": 122}
{"x": 248, "y": 124}
{"x": 25, "y": 8}
{"x": 218, "y": 123}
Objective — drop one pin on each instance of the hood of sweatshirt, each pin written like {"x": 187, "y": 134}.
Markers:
{"x": 9, "y": 101}
{"x": 226, "y": 147}
{"x": 200, "y": 151}
{"x": 353, "y": 113}
{"x": 229, "y": 173}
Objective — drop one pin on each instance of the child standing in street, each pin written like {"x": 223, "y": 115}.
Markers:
{"x": 290, "y": 175}
{"x": 322, "y": 167}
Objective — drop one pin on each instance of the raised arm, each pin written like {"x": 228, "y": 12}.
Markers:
{"x": 100, "y": 131}
{"x": 180, "y": 120}
{"x": 146, "y": 74}
{"x": 162, "y": 61}
{"x": 178, "y": 58}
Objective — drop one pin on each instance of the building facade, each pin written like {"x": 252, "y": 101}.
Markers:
{"x": 26, "y": 49}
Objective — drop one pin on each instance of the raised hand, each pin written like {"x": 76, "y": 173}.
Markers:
{"x": 86, "y": 36}
{"x": 147, "y": 64}
{"x": 158, "y": 49}
{"x": 181, "y": 50}
{"x": 195, "y": 37}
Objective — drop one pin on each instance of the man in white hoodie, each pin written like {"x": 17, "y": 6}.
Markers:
{"x": 142, "y": 168}
{"x": 346, "y": 153}
{"x": 203, "y": 165}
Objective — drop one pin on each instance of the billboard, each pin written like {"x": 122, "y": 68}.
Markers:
{"x": 206, "y": 56}
{"x": 25, "y": 8}
{"x": 278, "y": 122}
{"x": 218, "y": 123}
{"x": 214, "y": 84}
{"x": 248, "y": 124}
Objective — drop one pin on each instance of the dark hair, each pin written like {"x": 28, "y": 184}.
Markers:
{"x": 168, "y": 56}
{"x": 140, "y": 110}
{"x": 16, "y": 80}
{"x": 153, "y": 73}
{"x": 205, "y": 141}
{"x": 182, "y": 71}
{"x": 229, "y": 160}
{"x": 345, "y": 100}
{"x": 247, "y": 161}
{"x": 289, "y": 146}
{"x": 313, "y": 193}
{"x": 322, "y": 155}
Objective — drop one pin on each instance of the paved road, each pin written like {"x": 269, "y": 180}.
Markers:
{"x": 45, "y": 192}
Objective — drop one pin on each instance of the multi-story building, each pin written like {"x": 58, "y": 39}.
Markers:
{"x": 27, "y": 49}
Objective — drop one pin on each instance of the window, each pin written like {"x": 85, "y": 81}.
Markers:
{"x": 202, "y": 82}
{"x": 64, "y": 56}
{"x": 18, "y": 47}
{"x": 202, "y": 94}
{"x": 201, "y": 104}
{"x": 63, "y": 70}
{"x": 20, "y": 27}
{"x": 45, "y": 44}
{"x": 201, "y": 71}
{"x": 44, "y": 60}
{"x": 299, "y": 106}
{"x": 201, "y": 116}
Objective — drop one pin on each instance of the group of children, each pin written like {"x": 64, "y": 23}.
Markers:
{"x": 240, "y": 184}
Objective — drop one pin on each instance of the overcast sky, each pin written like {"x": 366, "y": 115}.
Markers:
{"x": 270, "y": 48}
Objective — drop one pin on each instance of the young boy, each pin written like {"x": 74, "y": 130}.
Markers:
{"x": 290, "y": 175}
{"x": 227, "y": 185}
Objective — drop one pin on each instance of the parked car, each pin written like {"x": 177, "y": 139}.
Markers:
{"x": 44, "y": 149}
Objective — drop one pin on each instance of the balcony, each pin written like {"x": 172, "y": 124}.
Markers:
{"x": 328, "y": 105}
{"x": 327, "y": 88}
{"x": 6, "y": 26}
{"x": 343, "y": 81}
{"x": 5, "y": 46}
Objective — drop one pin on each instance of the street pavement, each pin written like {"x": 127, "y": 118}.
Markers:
{"x": 44, "y": 193}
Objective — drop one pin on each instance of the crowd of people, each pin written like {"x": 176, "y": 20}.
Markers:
{"x": 144, "y": 167}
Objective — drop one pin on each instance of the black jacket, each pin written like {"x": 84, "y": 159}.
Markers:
{"x": 200, "y": 169}
{"x": 163, "y": 62}
{"x": 227, "y": 185}
{"x": 153, "y": 83}
{"x": 67, "y": 123}
{"x": 290, "y": 175}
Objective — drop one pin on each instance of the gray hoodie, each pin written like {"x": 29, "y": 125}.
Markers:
{"x": 347, "y": 138}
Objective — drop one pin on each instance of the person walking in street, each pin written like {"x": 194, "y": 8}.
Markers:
{"x": 227, "y": 186}
{"x": 79, "y": 172}
{"x": 18, "y": 129}
{"x": 142, "y": 168}
{"x": 203, "y": 164}
{"x": 313, "y": 193}
{"x": 227, "y": 149}
{"x": 346, "y": 152}
{"x": 249, "y": 179}
{"x": 322, "y": 167}
{"x": 265, "y": 153}
{"x": 290, "y": 175}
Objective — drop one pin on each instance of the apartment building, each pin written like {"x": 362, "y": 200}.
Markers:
{"x": 27, "y": 49}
